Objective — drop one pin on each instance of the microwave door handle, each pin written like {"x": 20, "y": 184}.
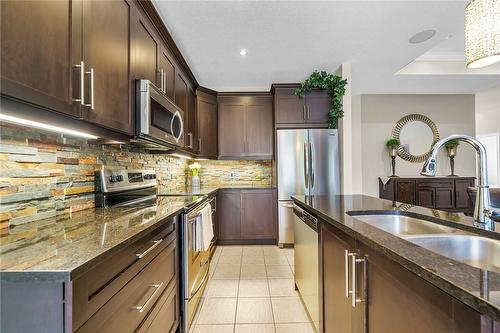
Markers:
{"x": 176, "y": 114}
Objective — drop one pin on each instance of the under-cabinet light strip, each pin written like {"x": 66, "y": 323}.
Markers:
{"x": 36, "y": 124}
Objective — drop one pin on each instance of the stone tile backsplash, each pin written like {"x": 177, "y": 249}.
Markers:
{"x": 43, "y": 174}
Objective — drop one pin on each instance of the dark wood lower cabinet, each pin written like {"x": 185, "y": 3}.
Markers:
{"x": 390, "y": 298}
{"x": 123, "y": 293}
{"x": 444, "y": 193}
{"x": 247, "y": 216}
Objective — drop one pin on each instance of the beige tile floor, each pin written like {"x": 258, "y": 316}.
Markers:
{"x": 251, "y": 290}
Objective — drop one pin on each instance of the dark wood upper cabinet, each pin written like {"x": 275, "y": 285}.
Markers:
{"x": 258, "y": 214}
{"x": 231, "y": 129}
{"x": 293, "y": 111}
{"x": 106, "y": 54}
{"x": 41, "y": 47}
{"x": 181, "y": 91}
{"x": 206, "y": 117}
{"x": 190, "y": 130}
{"x": 318, "y": 104}
{"x": 245, "y": 126}
{"x": 146, "y": 48}
{"x": 167, "y": 74}
{"x": 288, "y": 108}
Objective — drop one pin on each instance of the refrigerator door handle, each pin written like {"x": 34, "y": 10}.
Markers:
{"x": 306, "y": 164}
{"x": 311, "y": 157}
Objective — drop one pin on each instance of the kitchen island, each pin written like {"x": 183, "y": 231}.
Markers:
{"x": 375, "y": 280}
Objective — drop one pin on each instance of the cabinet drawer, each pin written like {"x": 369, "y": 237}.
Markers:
{"x": 92, "y": 290}
{"x": 164, "y": 318}
{"x": 435, "y": 183}
{"x": 128, "y": 308}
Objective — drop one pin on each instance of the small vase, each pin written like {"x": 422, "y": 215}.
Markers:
{"x": 195, "y": 181}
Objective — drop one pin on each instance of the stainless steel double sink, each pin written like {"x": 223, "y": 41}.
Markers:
{"x": 459, "y": 245}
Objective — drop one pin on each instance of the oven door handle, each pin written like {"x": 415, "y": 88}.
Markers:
{"x": 176, "y": 114}
{"x": 205, "y": 277}
{"x": 135, "y": 201}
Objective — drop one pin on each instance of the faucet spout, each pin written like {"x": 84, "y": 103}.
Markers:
{"x": 482, "y": 208}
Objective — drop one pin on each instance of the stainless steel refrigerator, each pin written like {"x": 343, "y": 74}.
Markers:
{"x": 308, "y": 164}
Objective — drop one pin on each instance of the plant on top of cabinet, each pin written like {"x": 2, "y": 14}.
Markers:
{"x": 335, "y": 86}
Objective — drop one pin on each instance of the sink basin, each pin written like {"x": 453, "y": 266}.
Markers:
{"x": 480, "y": 252}
{"x": 405, "y": 225}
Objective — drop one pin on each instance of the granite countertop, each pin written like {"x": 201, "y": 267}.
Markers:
{"x": 208, "y": 190}
{"x": 480, "y": 289}
{"x": 66, "y": 246}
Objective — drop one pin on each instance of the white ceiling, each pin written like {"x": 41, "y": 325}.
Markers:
{"x": 287, "y": 40}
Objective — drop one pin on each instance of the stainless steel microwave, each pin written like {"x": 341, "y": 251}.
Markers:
{"x": 159, "y": 121}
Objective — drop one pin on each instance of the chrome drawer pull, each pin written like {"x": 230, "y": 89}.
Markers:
{"x": 156, "y": 243}
{"x": 82, "y": 83}
{"x": 148, "y": 301}
{"x": 347, "y": 254}
{"x": 355, "y": 298}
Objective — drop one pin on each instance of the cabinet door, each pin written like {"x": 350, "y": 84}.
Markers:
{"x": 106, "y": 52}
{"x": 207, "y": 126}
{"x": 258, "y": 214}
{"x": 289, "y": 108}
{"x": 169, "y": 78}
{"x": 318, "y": 104}
{"x": 231, "y": 129}
{"x": 228, "y": 218}
{"x": 399, "y": 300}
{"x": 405, "y": 191}
{"x": 461, "y": 195}
{"x": 41, "y": 44}
{"x": 259, "y": 128}
{"x": 445, "y": 198}
{"x": 181, "y": 91}
{"x": 426, "y": 197}
{"x": 191, "y": 138}
{"x": 334, "y": 281}
{"x": 146, "y": 49}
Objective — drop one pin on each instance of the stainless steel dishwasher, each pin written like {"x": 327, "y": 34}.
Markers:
{"x": 307, "y": 261}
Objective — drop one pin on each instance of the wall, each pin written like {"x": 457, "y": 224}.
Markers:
{"x": 43, "y": 174}
{"x": 453, "y": 114}
{"x": 488, "y": 122}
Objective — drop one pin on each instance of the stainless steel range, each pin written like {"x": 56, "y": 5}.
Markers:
{"x": 138, "y": 188}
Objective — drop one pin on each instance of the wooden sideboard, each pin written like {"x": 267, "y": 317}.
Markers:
{"x": 444, "y": 193}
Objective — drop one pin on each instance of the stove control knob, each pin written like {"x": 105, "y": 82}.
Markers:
{"x": 119, "y": 178}
{"x": 112, "y": 178}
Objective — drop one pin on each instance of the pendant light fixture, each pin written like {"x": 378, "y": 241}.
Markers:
{"x": 482, "y": 33}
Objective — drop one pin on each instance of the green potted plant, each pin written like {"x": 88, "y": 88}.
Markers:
{"x": 334, "y": 84}
{"x": 393, "y": 145}
{"x": 451, "y": 148}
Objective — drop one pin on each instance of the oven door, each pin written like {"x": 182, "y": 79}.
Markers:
{"x": 158, "y": 118}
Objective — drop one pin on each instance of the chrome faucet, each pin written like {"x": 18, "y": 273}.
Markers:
{"x": 482, "y": 210}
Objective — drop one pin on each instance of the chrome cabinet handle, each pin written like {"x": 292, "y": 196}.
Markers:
{"x": 82, "y": 83}
{"x": 347, "y": 254}
{"x": 308, "y": 112}
{"x": 151, "y": 248}
{"x": 143, "y": 307}
{"x": 304, "y": 112}
{"x": 190, "y": 135}
{"x": 306, "y": 164}
{"x": 162, "y": 81}
{"x": 91, "y": 104}
{"x": 199, "y": 145}
{"x": 354, "y": 262}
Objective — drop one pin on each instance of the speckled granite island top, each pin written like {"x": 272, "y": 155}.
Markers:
{"x": 66, "y": 246}
{"x": 480, "y": 289}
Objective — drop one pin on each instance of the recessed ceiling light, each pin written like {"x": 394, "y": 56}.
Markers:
{"x": 243, "y": 52}
{"x": 422, "y": 36}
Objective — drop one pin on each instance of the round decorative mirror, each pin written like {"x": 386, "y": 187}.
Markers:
{"x": 417, "y": 133}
